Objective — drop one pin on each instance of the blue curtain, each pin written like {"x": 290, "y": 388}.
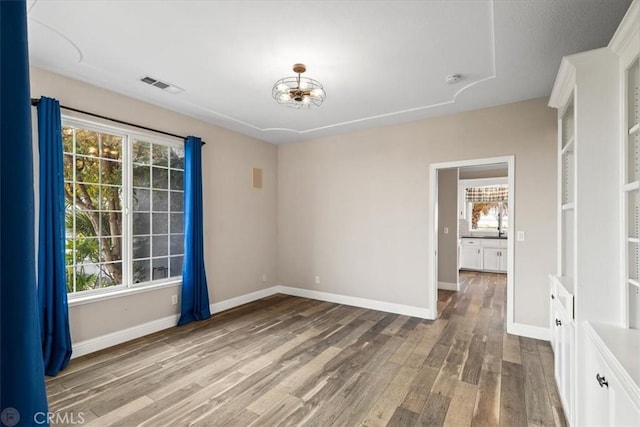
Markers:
{"x": 195, "y": 296}
{"x": 52, "y": 285}
{"x": 22, "y": 390}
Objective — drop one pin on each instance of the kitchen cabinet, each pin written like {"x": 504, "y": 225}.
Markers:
{"x": 483, "y": 254}
{"x": 494, "y": 259}
{"x": 470, "y": 255}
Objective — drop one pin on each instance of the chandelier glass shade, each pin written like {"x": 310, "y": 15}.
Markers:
{"x": 298, "y": 91}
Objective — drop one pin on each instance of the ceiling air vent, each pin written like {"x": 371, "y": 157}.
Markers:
{"x": 161, "y": 85}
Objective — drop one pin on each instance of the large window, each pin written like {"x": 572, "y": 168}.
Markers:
{"x": 124, "y": 208}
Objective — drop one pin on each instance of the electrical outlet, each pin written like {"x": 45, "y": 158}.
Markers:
{"x": 446, "y": 230}
{"x": 520, "y": 237}
{"x": 174, "y": 299}
{"x": 264, "y": 277}
{"x": 317, "y": 280}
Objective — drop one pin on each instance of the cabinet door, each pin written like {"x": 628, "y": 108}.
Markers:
{"x": 470, "y": 257}
{"x": 503, "y": 259}
{"x": 596, "y": 408}
{"x": 491, "y": 259}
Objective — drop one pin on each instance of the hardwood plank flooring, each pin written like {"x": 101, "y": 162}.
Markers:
{"x": 289, "y": 361}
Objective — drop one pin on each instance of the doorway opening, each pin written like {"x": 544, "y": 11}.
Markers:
{"x": 471, "y": 224}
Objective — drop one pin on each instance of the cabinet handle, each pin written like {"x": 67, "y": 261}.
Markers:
{"x": 553, "y": 296}
{"x": 478, "y": 250}
{"x": 602, "y": 381}
{"x": 558, "y": 322}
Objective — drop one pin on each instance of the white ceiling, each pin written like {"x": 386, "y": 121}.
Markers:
{"x": 381, "y": 62}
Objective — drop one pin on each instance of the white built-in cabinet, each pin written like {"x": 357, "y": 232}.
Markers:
{"x": 631, "y": 185}
{"x": 594, "y": 292}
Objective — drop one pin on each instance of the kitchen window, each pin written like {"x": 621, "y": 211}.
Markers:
{"x": 489, "y": 216}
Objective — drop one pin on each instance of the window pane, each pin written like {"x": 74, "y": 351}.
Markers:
{"x": 160, "y": 155}
{"x": 67, "y": 139}
{"x": 87, "y": 250}
{"x": 160, "y": 223}
{"x": 110, "y": 172}
{"x": 160, "y": 246}
{"x": 87, "y": 169}
{"x": 87, "y": 142}
{"x": 160, "y": 178}
{"x": 141, "y": 152}
{"x": 177, "y": 223}
{"x": 111, "y": 147}
{"x": 110, "y": 198}
{"x": 141, "y": 223}
{"x": 141, "y": 199}
{"x": 177, "y": 158}
{"x": 110, "y": 274}
{"x": 141, "y": 176}
{"x": 141, "y": 271}
{"x": 177, "y": 180}
{"x": 70, "y": 279}
{"x": 177, "y": 244}
{"x": 86, "y": 195}
{"x": 175, "y": 266}
{"x": 111, "y": 248}
{"x": 160, "y": 201}
{"x": 87, "y": 277}
{"x": 141, "y": 247}
{"x": 68, "y": 167}
{"x": 160, "y": 268}
{"x": 177, "y": 201}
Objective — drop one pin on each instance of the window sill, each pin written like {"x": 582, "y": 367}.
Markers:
{"x": 103, "y": 296}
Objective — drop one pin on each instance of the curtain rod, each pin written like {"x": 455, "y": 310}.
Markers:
{"x": 35, "y": 102}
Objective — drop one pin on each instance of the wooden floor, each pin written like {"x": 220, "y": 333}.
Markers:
{"x": 292, "y": 361}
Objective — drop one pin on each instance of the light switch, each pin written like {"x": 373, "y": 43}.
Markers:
{"x": 520, "y": 236}
{"x": 446, "y": 230}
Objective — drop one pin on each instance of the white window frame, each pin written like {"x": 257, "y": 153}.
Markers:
{"x": 127, "y": 288}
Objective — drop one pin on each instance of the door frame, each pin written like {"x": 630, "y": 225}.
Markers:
{"x": 433, "y": 226}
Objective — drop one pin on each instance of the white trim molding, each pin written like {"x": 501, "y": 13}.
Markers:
{"x": 537, "y": 332}
{"x": 109, "y": 340}
{"x": 242, "y": 299}
{"x": 448, "y": 286}
{"x": 389, "y": 307}
{"x": 114, "y": 338}
{"x": 433, "y": 230}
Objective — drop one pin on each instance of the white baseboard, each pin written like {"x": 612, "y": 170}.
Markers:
{"x": 242, "y": 299}
{"x": 448, "y": 286}
{"x": 109, "y": 340}
{"x": 529, "y": 331}
{"x": 408, "y": 310}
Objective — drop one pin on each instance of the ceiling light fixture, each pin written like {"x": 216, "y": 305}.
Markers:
{"x": 297, "y": 91}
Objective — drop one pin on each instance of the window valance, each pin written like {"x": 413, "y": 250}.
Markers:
{"x": 495, "y": 193}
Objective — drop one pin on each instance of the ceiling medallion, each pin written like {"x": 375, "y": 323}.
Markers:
{"x": 297, "y": 91}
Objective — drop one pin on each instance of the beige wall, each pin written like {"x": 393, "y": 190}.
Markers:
{"x": 448, "y": 217}
{"x": 353, "y": 208}
{"x": 240, "y": 222}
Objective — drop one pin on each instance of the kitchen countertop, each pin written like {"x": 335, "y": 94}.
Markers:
{"x": 484, "y": 237}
